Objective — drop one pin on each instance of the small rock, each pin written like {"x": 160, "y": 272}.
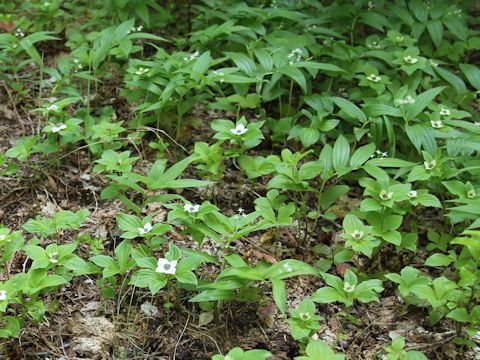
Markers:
{"x": 149, "y": 309}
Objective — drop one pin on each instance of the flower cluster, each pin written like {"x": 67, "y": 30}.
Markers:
{"x": 406, "y": 100}
{"x": 19, "y": 33}
{"x": 141, "y": 71}
{"x": 295, "y": 56}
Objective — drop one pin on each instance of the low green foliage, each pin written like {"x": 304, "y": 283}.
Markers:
{"x": 349, "y": 131}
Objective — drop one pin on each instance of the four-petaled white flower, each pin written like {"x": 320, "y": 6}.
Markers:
{"x": 444, "y": 112}
{"x": 410, "y": 59}
{"x": 59, "y": 127}
{"x": 191, "y": 208}
{"x": 412, "y": 194}
{"x": 3, "y": 295}
{"x": 165, "y": 266}
{"x": 437, "y": 124}
{"x": 471, "y": 194}
{"x": 430, "y": 165}
{"x": 145, "y": 229}
{"x": 53, "y": 257}
{"x": 52, "y": 107}
{"x": 240, "y": 129}
{"x": 357, "y": 234}
{"x": 385, "y": 195}
{"x": 374, "y": 78}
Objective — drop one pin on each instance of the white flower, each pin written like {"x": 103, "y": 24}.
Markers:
{"x": 370, "y": 5}
{"x": 380, "y": 153}
{"x": 471, "y": 194}
{"x": 357, "y": 234}
{"x": 385, "y": 195}
{"x": 433, "y": 63}
{"x": 444, "y": 112}
{"x": 19, "y": 33}
{"x": 407, "y": 100}
{"x": 141, "y": 71}
{"x": 191, "y": 208}
{"x": 166, "y": 267}
{"x": 412, "y": 194}
{"x": 3, "y": 295}
{"x": 476, "y": 123}
{"x": 287, "y": 267}
{"x": 59, "y": 127}
{"x": 139, "y": 28}
{"x": 294, "y": 56}
{"x": 436, "y": 124}
{"x": 195, "y": 55}
{"x": 52, "y": 107}
{"x": 374, "y": 78}
{"x": 241, "y": 211}
{"x": 2, "y": 237}
{"x": 145, "y": 229}
{"x": 430, "y": 165}
{"x": 53, "y": 257}
{"x": 240, "y": 129}
{"x": 410, "y": 59}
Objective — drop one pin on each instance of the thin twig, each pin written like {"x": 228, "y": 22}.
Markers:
{"x": 180, "y": 337}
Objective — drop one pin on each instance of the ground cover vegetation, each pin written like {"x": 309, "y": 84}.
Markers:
{"x": 239, "y": 180}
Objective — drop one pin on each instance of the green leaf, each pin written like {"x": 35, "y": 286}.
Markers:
{"x": 327, "y": 295}
{"x": 349, "y": 108}
{"x": 341, "y": 153}
{"x": 452, "y": 79}
{"x": 279, "y": 295}
{"x": 381, "y": 109}
{"x": 472, "y": 73}
{"x": 186, "y": 277}
{"x": 202, "y": 63}
{"x": 361, "y": 155}
{"x": 438, "y": 260}
{"x": 243, "y": 62}
{"x": 422, "y": 101}
{"x": 295, "y": 74}
{"x": 435, "y": 29}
